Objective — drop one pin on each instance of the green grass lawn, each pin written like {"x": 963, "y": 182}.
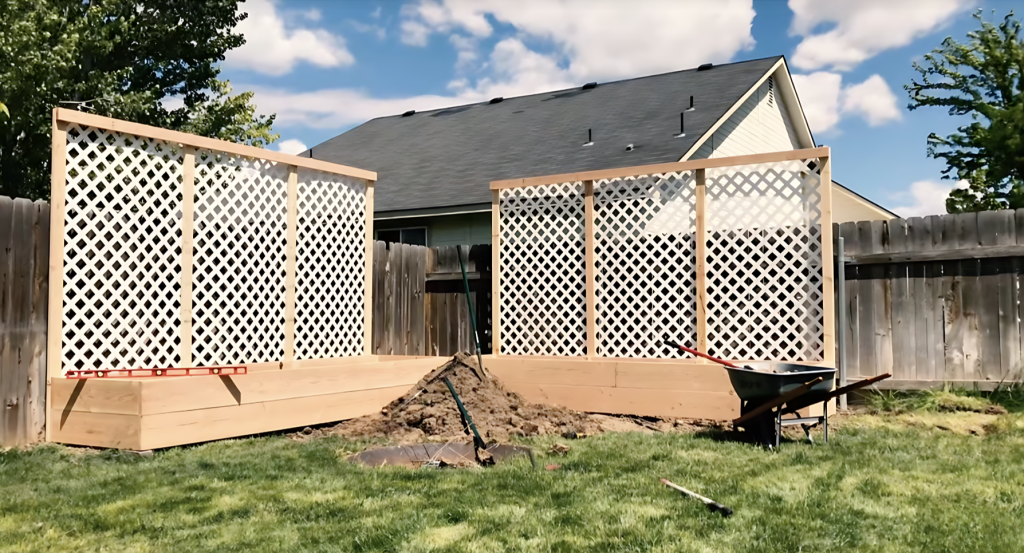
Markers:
{"x": 881, "y": 484}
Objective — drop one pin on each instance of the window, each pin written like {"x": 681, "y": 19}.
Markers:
{"x": 416, "y": 236}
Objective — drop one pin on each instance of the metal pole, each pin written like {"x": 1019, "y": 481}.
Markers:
{"x": 841, "y": 312}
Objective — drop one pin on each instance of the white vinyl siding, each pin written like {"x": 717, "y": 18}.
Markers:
{"x": 759, "y": 125}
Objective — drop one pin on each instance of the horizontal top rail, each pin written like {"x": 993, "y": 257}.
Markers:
{"x": 976, "y": 252}
{"x": 202, "y": 142}
{"x": 691, "y": 165}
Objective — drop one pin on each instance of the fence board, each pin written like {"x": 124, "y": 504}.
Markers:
{"x": 852, "y": 331}
{"x": 954, "y": 317}
{"x": 24, "y": 264}
{"x": 903, "y": 310}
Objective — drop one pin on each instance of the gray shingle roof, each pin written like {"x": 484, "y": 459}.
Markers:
{"x": 448, "y": 157}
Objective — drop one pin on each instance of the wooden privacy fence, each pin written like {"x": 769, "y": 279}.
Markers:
{"x": 24, "y": 243}
{"x": 419, "y": 302}
{"x": 936, "y": 299}
{"x": 733, "y": 255}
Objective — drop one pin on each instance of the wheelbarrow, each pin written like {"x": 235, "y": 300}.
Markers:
{"x": 770, "y": 391}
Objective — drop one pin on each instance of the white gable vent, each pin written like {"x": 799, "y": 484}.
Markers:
{"x": 771, "y": 92}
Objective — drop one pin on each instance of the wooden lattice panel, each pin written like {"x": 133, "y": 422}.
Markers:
{"x": 543, "y": 296}
{"x": 331, "y": 263}
{"x": 645, "y": 264}
{"x": 764, "y": 263}
{"x": 121, "y": 251}
{"x": 239, "y": 260}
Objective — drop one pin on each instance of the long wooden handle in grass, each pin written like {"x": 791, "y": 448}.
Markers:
{"x": 713, "y": 505}
{"x": 790, "y": 395}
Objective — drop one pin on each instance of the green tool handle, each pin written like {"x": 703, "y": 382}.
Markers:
{"x": 472, "y": 313}
{"x": 477, "y": 440}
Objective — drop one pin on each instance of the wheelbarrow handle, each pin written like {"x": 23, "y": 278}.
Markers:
{"x": 672, "y": 344}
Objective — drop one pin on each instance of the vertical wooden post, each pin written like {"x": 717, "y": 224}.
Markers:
{"x": 188, "y": 191}
{"x": 496, "y": 272}
{"x": 588, "y": 218}
{"x": 55, "y": 302}
{"x": 827, "y": 263}
{"x": 700, "y": 181}
{"x": 368, "y": 275}
{"x": 291, "y": 262}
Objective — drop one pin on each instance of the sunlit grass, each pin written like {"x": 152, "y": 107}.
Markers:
{"x": 879, "y": 485}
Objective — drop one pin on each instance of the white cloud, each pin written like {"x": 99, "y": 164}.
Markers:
{"x": 361, "y": 27}
{"x": 825, "y": 100}
{"x": 601, "y": 40}
{"x": 291, "y": 146}
{"x": 873, "y": 101}
{"x": 862, "y": 29}
{"x": 578, "y": 41}
{"x": 273, "y": 48}
{"x": 928, "y": 198}
{"x": 819, "y": 96}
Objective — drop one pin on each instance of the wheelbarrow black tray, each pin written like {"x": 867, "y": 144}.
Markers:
{"x": 761, "y": 385}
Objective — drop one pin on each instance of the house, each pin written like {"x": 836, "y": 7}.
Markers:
{"x": 435, "y": 166}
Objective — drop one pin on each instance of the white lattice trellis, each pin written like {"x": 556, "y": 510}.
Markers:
{"x": 543, "y": 298}
{"x": 764, "y": 263}
{"x": 239, "y": 260}
{"x": 121, "y": 251}
{"x": 330, "y": 265}
{"x": 645, "y": 264}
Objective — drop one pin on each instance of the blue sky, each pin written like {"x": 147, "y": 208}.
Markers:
{"x": 326, "y": 66}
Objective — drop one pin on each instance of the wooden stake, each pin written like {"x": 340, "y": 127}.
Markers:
{"x": 495, "y": 273}
{"x": 368, "y": 275}
{"x": 291, "y": 269}
{"x": 701, "y": 254}
{"x": 588, "y": 203}
{"x": 55, "y": 307}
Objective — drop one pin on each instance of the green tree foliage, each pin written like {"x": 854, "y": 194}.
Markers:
{"x": 983, "y": 78}
{"x": 149, "y": 61}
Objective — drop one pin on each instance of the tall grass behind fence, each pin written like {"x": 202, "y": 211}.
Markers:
{"x": 24, "y": 261}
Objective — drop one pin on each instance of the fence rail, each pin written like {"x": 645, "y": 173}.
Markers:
{"x": 936, "y": 300}
{"x": 24, "y": 258}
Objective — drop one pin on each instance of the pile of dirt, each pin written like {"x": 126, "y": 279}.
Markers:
{"x": 428, "y": 413}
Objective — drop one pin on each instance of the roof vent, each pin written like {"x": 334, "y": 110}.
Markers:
{"x": 589, "y": 86}
{"x": 691, "y": 104}
{"x": 705, "y": 66}
{"x": 629, "y": 147}
{"x": 497, "y": 100}
{"x": 590, "y": 138}
{"x": 408, "y": 113}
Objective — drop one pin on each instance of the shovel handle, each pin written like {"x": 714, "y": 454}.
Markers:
{"x": 672, "y": 344}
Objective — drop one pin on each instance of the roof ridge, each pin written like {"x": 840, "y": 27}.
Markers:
{"x": 600, "y": 84}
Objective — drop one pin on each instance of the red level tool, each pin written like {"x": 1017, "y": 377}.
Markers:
{"x": 145, "y": 373}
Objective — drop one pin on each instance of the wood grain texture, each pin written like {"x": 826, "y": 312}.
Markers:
{"x": 496, "y": 273}
{"x": 591, "y": 272}
{"x": 827, "y": 264}
{"x": 368, "y": 272}
{"x": 106, "y": 430}
{"x": 701, "y": 242}
{"x": 188, "y": 206}
{"x": 291, "y": 263}
{"x": 55, "y": 302}
{"x": 633, "y": 401}
{"x": 711, "y": 163}
{"x": 201, "y": 142}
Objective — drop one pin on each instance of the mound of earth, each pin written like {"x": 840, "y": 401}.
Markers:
{"x": 427, "y": 412}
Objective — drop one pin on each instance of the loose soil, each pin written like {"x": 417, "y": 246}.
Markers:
{"x": 428, "y": 413}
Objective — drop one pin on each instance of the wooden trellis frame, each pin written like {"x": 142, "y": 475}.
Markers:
{"x": 759, "y": 206}
{"x": 237, "y": 212}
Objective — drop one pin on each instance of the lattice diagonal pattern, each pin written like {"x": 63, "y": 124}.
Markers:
{"x": 645, "y": 264}
{"x": 121, "y": 251}
{"x": 239, "y": 259}
{"x": 331, "y": 259}
{"x": 543, "y": 302}
{"x": 764, "y": 279}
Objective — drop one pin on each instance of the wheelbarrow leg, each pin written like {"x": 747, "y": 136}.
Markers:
{"x": 825, "y": 422}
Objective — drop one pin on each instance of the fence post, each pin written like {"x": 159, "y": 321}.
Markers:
{"x": 290, "y": 265}
{"x": 700, "y": 181}
{"x": 841, "y": 313}
{"x": 368, "y": 274}
{"x": 188, "y": 191}
{"x": 496, "y": 272}
{"x": 827, "y": 263}
{"x": 591, "y": 296}
{"x": 55, "y": 305}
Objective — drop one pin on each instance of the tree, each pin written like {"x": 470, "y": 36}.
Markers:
{"x": 983, "y": 78}
{"x": 149, "y": 61}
